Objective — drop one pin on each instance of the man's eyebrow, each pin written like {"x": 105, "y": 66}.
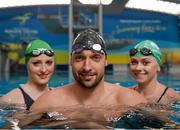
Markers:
{"x": 94, "y": 52}
{"x": 78, "y": 53}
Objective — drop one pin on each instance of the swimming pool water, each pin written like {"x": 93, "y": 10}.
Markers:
{"x": 136, "y": 119}
{"x": 125, "y": 79}
{"x": 78, "y": 117}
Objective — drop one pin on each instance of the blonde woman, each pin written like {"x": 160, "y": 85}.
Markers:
{"x": 39, "y": 58}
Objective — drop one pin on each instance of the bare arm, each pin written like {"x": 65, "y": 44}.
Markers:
{"x": 173, "y": 96}
{"x": 13, "y": 97}
{"x": 42, "y": 103}
{"x": 131, "y": 97}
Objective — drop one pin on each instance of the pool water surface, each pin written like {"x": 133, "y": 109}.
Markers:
{"x": 148, "y": 117}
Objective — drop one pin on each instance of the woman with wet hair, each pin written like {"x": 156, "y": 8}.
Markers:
{"x": 39, "y": 58}
{"x": 145, "y": 61}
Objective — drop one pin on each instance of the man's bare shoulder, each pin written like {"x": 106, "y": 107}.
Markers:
{"x": 120, "y": 88}
{"x": 55, "y": 92}
{"x": 62, "y": 89}
{"x": 128, "y": 96}
{"x": 132, "y": 96}
{"x": 45, "y": 100}
{"x": 53, "y": 98}
{"x": 112, "y": 86}
{"x": 132, "y": 87}
{"x": 125, "y": 95}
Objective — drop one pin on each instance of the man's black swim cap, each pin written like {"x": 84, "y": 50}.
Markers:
{"x": 89, "y": 40}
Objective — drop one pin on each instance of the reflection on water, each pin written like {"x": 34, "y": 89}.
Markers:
{"x": 104, "y": 117}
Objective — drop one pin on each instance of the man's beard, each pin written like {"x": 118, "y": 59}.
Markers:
{"x": 87, "y": 85}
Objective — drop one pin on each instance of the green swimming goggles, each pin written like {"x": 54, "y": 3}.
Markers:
{"x": 38, "y": 52}
{"x": 144, "y": 51}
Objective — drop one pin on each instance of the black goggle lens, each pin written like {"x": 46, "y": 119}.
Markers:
{"x": 144, "y": 51}
{"x": 133, "y": 51}
{"x": 35, "y": 53}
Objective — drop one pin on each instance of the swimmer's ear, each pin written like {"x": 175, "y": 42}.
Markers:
{"x": 71, "y": 61}
{"x": 106, "y": 63}
{"x": 159, "y": 69}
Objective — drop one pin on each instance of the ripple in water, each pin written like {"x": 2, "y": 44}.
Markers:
{"x": 89, "y": 117}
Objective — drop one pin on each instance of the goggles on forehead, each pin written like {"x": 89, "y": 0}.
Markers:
{"x": 144, "y": 51}
{"x": 38, "y": 52}
{"x": 77, "y": 48}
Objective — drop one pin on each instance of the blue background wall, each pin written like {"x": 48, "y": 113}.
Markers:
{"x": 121, "y": 30}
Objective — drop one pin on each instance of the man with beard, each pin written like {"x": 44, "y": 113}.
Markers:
{"x": 89, "y": 90}
{"x": 88, "y": 61}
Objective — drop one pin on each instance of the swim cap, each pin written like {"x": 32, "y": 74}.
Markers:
{"x": 35, "y": 45}
{"x": 146, "y": 48}
{"x": 89, "y": 40}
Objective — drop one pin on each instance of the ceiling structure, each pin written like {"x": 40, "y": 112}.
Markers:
{"x": 163, "y": 6}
